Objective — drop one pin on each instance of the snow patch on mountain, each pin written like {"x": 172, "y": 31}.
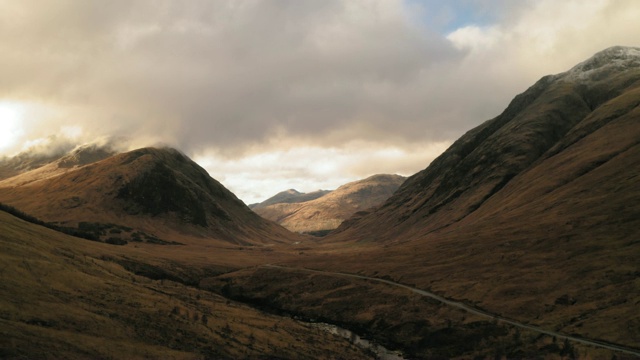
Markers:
{"x": 616, "y": 58}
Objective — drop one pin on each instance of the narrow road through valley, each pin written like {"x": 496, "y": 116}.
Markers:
{"x": 472, "y": 310}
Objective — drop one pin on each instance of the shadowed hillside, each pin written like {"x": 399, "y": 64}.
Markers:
{"x": 539, "y": 204}
{"x": 290, "y": 196}
{"x": 549, "y": 140}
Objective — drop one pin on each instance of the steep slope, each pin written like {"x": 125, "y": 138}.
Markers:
{"x": 551, "y": 118}
{"x": 152, "y": 194}
{"x": 60, "y": 297}
{"x": 290, "y": 196}
{"x": 534, "y": 215}
{"x": 327, "y": 212}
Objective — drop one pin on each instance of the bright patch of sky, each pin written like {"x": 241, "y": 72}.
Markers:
{"x": 10, "y": 119}
{"x": 447, "y": 16}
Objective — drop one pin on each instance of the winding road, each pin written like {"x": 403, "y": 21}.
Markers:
{"x": 472, "y": 310}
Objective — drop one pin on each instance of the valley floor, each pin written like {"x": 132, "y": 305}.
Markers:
{"x": 81, "y": 299}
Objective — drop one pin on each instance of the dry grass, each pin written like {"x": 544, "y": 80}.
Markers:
{"x": 91, "y": 193}
{"x": 59, "y": 301}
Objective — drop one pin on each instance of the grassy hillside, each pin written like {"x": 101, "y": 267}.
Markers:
{"x": 59, "y": 300}
{"x": 156, "y": 194}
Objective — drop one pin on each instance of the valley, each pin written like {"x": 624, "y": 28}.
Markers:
{"x": 519, "y": 241}
{"x": 478, "y": 311}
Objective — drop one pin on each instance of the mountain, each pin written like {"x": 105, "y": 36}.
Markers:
{"x": 289, "y": 197}
{"x": 149, "y": 194}
{"x": 552, "y": 142}
{"x": 326, "y": 212}
{"x": 534, "y": 214}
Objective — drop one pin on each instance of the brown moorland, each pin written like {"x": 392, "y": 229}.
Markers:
{"x": 60, "y": 299}
{"x": 143, "y": 195}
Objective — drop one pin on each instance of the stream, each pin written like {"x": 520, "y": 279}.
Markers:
{"x": 380, "y": 351}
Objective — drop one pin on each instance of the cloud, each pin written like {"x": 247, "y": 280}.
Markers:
{"x": 310, "y": 168}
{"x": 241, "y": 79}
{"x": 224, "y": 73}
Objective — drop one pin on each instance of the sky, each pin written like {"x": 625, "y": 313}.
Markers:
{"x": 278, "y": 94}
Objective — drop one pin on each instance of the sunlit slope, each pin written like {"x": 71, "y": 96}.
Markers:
{"x": 159, "y": 192}
{"x": 56, "y": 301}
{"x": 329, "y": 211}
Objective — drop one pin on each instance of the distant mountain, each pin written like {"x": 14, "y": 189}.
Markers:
{"x": 12, "y": 166}
{"x": 31, "y": 160}
{"x": 326, "y": 212}
{"x": 290, "y": 196}
{"x": 153, "y": 195}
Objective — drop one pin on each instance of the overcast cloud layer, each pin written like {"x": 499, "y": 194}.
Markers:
{"x": 269, "y": 95}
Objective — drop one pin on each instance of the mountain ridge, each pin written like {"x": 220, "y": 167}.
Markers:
{"x": 529, "y": 129}
{"x": 290, "y": 196}
{"x": 327, "y": 212}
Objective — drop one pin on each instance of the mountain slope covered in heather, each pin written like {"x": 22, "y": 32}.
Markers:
{"x": 586, "y": 117}
{"x": 538, "y": 204}
{"x": 327, "y": 212}
{"x": 147, "y": 194}
{"x": 63, "y": 297}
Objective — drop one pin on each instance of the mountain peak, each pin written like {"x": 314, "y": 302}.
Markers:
{"x": 615, "y": 58}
